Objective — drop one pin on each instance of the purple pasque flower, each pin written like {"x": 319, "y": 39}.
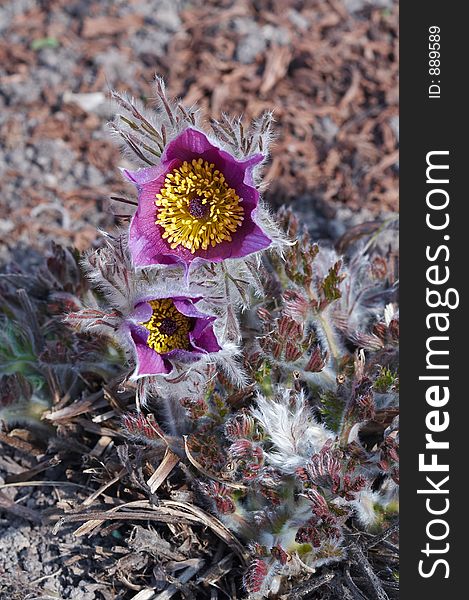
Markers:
{"x": 163, "y": 330}
{"x": 198, "y": 203}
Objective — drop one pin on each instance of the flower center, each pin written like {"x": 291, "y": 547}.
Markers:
{"x": 168, "y": 326}
{"x": 169, "y": 329}
{"x": 197, "y": 208}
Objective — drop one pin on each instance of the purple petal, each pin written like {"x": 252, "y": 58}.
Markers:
{"x": 149, "y": 362}
{"x": 145, "y": 242}
{"x": 186, "y": 306}
{"x": 186, "y": 356}
{"x": 188, "y": 145}
{"x": 239, "y": 175}
{"x": 249, "y": 165}
{"x": 247, "y": 239}
{"x": 146, "y": 175}
{"x": 203, "y": 337}
{"x": 142, "y": 312}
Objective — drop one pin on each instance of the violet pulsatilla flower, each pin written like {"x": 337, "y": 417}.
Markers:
{"x": 198, "y": 203}
{"x": 164, "y": 330}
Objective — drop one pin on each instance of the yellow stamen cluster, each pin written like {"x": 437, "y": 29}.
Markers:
{"x": 197, "y": 208}
{"x": 169, "y": 329}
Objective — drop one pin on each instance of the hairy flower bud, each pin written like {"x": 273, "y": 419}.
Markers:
{"x": 317, "y": 360}
{"x": 240, "y": 426}
{"x": 141, "y": 426}
{"x": 221, "y": 495}
{"x": 255, "y": 576}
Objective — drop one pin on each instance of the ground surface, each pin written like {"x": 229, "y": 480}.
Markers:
{"x": 326, "y": 67}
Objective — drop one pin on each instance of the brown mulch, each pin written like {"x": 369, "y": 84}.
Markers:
{"x": 331, "y": 79}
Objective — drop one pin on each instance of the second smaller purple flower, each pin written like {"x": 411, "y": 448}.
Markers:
{"x": 164, "y": 330}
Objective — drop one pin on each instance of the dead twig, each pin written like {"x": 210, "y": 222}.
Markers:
{"x": 382, "y": 536}
{"x": 352, "y": 586}
{"x": 309, "y": 586}
{"x": 168, "y": 511}
{"x": 362, "y": 563}
{"x": 8, "y": 505}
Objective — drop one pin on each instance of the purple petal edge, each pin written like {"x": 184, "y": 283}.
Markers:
{"x": 148, "y": 362}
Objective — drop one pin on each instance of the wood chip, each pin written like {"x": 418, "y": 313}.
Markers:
{"x": 94, "y": 27}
